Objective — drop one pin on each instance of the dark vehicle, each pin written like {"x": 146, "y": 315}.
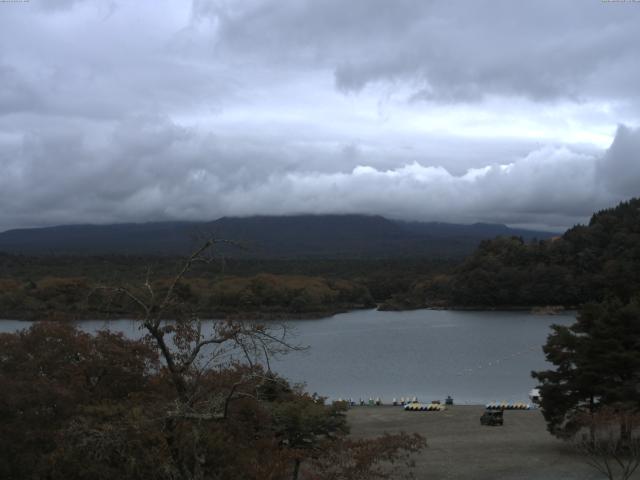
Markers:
{"x": 492, "y": 418}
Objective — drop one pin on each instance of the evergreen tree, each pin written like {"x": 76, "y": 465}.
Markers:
{"x": 597, "y": 362}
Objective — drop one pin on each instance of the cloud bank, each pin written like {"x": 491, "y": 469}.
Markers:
{"x": 488, "y": 110}
{"x": 153, "y": 169}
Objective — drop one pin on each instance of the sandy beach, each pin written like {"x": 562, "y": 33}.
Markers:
{"x": 460, "y": 448}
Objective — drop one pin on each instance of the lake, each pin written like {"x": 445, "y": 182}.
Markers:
{"x": 476, "y": 357}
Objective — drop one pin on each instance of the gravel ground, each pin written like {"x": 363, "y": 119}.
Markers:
{"x": 460, "y": 448}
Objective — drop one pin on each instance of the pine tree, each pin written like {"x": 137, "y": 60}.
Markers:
{"x": 597, "y": 362}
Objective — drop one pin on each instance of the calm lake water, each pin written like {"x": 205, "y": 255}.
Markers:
{"x": 476, "y": 357}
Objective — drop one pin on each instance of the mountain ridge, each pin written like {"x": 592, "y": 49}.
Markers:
{"x": 329, "y": 236}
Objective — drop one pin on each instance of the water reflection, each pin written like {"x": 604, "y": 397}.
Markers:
{"x": 476, "y": 357}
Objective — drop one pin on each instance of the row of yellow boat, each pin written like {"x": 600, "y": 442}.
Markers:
{"x": 508, "y": 406}
{"x": 422, "y": 407}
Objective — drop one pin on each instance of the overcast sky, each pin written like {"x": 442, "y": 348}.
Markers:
{"x": 525, "y": 113}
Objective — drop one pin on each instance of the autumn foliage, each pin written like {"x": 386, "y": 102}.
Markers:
{"x": 81, "y": 406}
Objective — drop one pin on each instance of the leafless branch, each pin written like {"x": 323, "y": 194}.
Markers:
{"x": 612, "y": 446}
{"x": 181, "y": 341}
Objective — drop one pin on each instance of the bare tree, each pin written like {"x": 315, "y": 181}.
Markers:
{"x": 191, "y": 348}
{"x": 611, "y": 442}
{"x": 206, "y": 366}
{"x": 188, "y": 345}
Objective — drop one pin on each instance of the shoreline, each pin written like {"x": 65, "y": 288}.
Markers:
{"x": 537, "y": 309}
{"x": 271, "y": 316}
{"x": 241, "y": 316}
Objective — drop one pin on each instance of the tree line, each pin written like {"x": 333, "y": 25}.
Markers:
{"x": 587, "y": 263}
{"x": 592, "y": 395}
{"x": 64, "y": 287}
{"x": 262, "y": 295}
{"x": 189, "y": 400}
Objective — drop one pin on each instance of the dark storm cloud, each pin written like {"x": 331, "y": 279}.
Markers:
{"x": 462, "y": 111}
{"x": 150, "y": 168}
{"x": 448, "y": 50}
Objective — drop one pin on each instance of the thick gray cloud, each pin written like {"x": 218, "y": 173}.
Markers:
{"x": 619, "y": 170}
{"x": 448, "y": 50}
{"x": 457, "y": 111}
{"x": 16, "y": 94}
{"x": 150, "y": 168}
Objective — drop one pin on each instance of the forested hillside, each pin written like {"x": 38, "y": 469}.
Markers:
{"x": 264, "y": 237}
{"x": 587, "y": 263}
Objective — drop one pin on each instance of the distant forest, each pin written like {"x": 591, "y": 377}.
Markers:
{"x": 586, "y": 263}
